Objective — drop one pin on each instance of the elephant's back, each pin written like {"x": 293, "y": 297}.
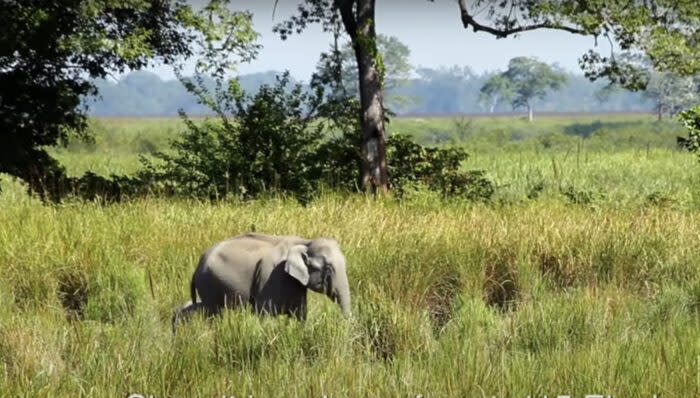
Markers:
{"x": 270, "y": 239}
{"x": 235, "y": 254}
{"x": 227, "y": 269}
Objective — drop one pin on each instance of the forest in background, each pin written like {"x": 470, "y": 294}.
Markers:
{"x": 441, "y": 91}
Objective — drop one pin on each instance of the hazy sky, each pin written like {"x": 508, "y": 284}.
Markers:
{"x": 432, "y": 31}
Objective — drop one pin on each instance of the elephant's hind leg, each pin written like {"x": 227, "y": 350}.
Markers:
{"x": 185, "y": 311}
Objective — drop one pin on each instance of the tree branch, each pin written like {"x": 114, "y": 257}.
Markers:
{"x": 468, "y": 20}
{"x": 346, "y": 14}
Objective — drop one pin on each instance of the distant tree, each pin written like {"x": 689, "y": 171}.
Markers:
{"x": 497, "y": 89}
{"x": 672, "y": 93}
{"x": 50, "y": 52}
{"x": 603, "y": 94}
{"x": 525, "y": 81}
{"x": 397, "y": 68}
{"x": 445, "y": 90}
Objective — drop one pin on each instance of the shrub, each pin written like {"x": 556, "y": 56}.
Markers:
{"x": 280, "y": 142}
{"x": 270, "y": 146}
{"x": 339, "y": 160}
{"x": 582, "y": 196}
{"x": 691, "y": 120}
{"x": 437, "y": 168}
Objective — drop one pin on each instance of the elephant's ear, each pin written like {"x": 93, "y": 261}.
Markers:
{"x": 295, "y": 265}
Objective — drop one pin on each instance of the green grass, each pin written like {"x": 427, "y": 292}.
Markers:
{"x": 590, "y": 287}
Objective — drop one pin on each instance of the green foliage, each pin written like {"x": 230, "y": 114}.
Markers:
{"x": 274, "y": 146}
{"x": 411, "y": 165}
{"x": 52, "y": 50}
{"x": 665, "y": 30}
{"x": 340, "y": 159}
{"x": 269, "y": 147}
{"x": 691, "y": 120}
{"x": 396, "y": 68}
{"x": 581, "y": 197}
{"x": 525, "y": 81}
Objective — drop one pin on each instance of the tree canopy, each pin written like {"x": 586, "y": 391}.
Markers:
{"x": 50, "y": 51}
{"x": 672, "y": 92}
{"x": 497, "y": 89}
{"x": 667, "y": 31}
{"x": 525, "y": 81}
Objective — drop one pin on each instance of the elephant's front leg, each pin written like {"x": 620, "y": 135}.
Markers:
{"x": 293, "y": 306}
{"x": 298, "y": 310}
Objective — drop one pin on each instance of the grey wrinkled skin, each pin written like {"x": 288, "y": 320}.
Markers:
{"x": 271, "y": 273}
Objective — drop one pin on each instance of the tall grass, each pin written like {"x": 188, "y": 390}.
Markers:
{"x": 601, "y": 302}
{"x": 566, "y": 292}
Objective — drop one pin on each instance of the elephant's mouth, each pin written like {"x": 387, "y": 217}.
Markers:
{"x": 333, "y": 295}
{"x": 328, "y": 289}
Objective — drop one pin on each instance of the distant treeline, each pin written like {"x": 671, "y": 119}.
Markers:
{"x": 444, "y": 91}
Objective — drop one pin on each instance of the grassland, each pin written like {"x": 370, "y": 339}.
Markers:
{"x": 580, "y": 278}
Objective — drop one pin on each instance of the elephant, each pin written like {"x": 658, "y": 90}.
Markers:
{"x": 271, "y": 273}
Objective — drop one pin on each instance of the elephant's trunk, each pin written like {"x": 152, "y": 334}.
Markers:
{"x": 342, "y": 294}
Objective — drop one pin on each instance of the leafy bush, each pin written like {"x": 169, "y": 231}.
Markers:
{"x": 270, "y": 146}
{"x": 691, "y": 120}
{"x": 281, "y": 142}
{"x": 340, "y": 160}
{"x": 437, "y": 168}
{"x": 581, "y": 196}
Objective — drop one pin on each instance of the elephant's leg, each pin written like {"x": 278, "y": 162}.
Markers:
{"x": 218, "y": 295}
{"x": 299, "y": 312}
{"x": 184, "y": 312}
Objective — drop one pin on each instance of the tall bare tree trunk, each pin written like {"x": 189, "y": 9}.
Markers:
{"x": 530, "y": 115}
{"x": 359, "y": 24}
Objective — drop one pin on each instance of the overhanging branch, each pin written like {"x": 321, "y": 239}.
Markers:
{"x": 346, "y": 14}
{"x": 468, "y": 20}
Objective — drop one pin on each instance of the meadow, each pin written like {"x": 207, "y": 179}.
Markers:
{"x": 580, "y": 277}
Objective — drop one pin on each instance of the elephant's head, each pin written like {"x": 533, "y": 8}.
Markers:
{"x": 320, "y": 265}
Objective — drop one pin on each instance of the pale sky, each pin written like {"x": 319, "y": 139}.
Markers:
{"x": 432, "y": 31}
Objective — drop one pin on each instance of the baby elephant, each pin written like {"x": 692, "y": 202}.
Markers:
{"x": 271, "y": 273}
